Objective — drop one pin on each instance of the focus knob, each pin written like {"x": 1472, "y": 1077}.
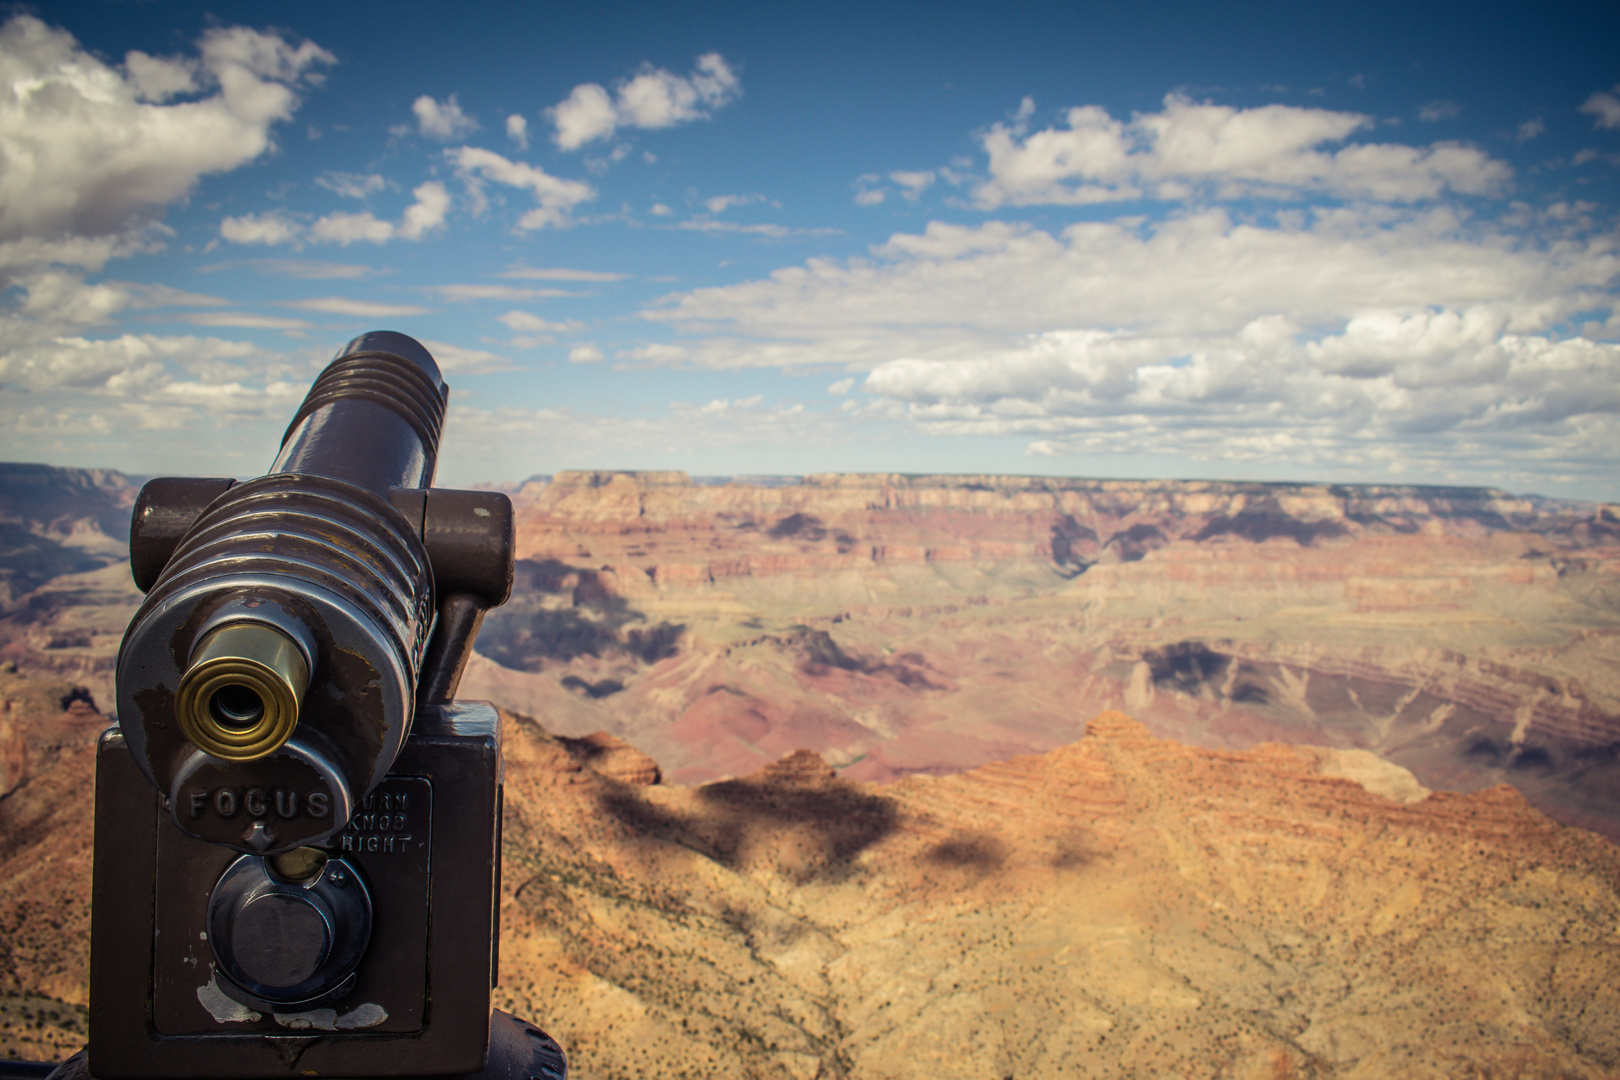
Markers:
{"x": 288, "y": 931}
{"x": 281, "y": 940}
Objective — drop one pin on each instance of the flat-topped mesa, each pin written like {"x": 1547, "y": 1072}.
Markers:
{"x": 680, "y": 532}
{"x": 673, "y": 495}
{"x": 603, "y": 477}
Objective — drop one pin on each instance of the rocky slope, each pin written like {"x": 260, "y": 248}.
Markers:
{"x": 1124, "y": 906}
{"x": 48, "y": 730}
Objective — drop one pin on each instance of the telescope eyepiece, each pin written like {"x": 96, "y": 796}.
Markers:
{"x": 239, "y": 699}
{"x": 236, "y": 706}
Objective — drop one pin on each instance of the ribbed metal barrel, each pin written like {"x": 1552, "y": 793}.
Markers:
{"x": 372, "y": 418}
{"x": 314, "y": 554}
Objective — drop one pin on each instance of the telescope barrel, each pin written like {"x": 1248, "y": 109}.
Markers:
{"x": 274, "y": 665}
{"x": 372, "y": 419}
{"x": 313, "y": 887}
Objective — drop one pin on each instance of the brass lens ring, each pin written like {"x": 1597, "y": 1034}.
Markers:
{"x": 239, "y": 698}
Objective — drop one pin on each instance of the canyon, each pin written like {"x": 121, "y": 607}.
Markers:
{"x": 899, "y": 625}
{"x": 975, "y": 776}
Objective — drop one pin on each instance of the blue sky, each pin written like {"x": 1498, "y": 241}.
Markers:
{"x": 1225, "y": 241}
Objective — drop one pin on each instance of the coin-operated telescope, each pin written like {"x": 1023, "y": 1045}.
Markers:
{"x": 297, "y": 846}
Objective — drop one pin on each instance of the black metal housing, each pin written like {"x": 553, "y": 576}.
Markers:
{"x": 430, "y": 968}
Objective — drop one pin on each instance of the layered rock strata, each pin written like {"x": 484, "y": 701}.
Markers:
{"x": 900, "y": 625}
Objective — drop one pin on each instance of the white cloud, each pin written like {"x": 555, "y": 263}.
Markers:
{"x": 719, "y": 204}
{"x": 243, "y": 319}
{"x": 870, "y": 189}
{"x": 364, "y": 309}
{"x": 556, "y": 197}
{"x": 1191, "y": 147}
{"x": 94, "y": 400}
{"x": 654, "y": 98}
{"x": 1587, "y": 156}
{"x": 913, "y": 184}
{"x": 961, "y": 287}
{"x": 442, "y": 120}
{"x": 307, "y": 269}
{"x": 270, "y": 229}
{"x": 343, "y": 227}
{"x": 585, "y": 354}
{"x": 463, "y": 293}
{"x": 95, "y": 152}
{"x": 1446, "y": 389}
{"x": 509, "y": 441}
{"x": 157, "y": 79}
{"x": 724, "y": 405}
{"x": 60, "y": 298}
{"x": 1530, "y": 129}
{"x": 517, "y": 129}
{"x": 585, "y": 115}
{"x": 79, "y": 363}
{"x": 767, "y": 229}
{"x": 842, "y": 386}
{"x": 427, "y": 212}
{"x": 1333, "y": 338}
{"x": 1604, "y": 107}
{"x": 90, "y": 252}
{"x": 660, "y": 210}
{"x": 522, "y": 322}
{"x": 657, "y": 354}
{"x": 352, "y": 185}
{"x": 1436, "y": 111}
{"x": 146, "y": 371}
{"x": 559, "y": 273}
{"x": 162, "y": 296}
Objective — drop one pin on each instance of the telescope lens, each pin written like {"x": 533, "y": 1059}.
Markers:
{"x": 236, "y": 706}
